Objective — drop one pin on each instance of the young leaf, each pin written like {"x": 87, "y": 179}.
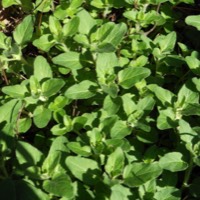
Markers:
{"x": 51, "y": 164}
{"x": 165, "y": 96}
{"x": 77, "y": 148}
{"x": 166, "y": 119}
{"x": 60, "y": 185}
{"x": 105, "y": 64}
{"x": 113, "y": 39}
{"x": 115, "y": 163}
{"x": 167, "y": 193}
{"x": 193, "y": 20}
{"x": 45, "y": 42}
{"x": 71, "y": 27}
{"x": 168, "y": 42}
{"x": 9, "y": 110}
{"x": 119, "y": 192}
{"x": 55, "y": 26}
{"x": 130, "y": 76}
{"x": 84, "y": 169}
{"x": 24, "y": 125}
{"x": 137, "y": 174}
{"x": 41, "y": 116}
{"x": 187, "y": 94}
{"x": 24, "y": 31}
{"x": 173, "y": 162}
{"x": 8, "y": 3}
{"x": 86, "y": 22}
{"x": 26, "y": 153}
{"x": 116, "y": 35}
{"x": 15, "y": 91}
{"x": 111, "y": 106}
{"x": 42, "y": 68}
{"x": 82, "y": 90}
{"x": 52, "y": 86}
{"x": 43, "y": 6}
{"x": 194, "y": 64}
{"x": 120, "y": 130}
{"x": 70, "y": 60}
{"x": 3, "y": 41}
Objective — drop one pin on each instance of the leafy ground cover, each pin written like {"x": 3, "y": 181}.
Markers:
{"x": 100, "y": 100}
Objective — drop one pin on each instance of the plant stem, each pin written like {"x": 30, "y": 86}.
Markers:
{"x": 188, "y": 172}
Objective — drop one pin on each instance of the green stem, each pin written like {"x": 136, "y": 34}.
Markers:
{"x": 3, "y": 169}
{"x": 188, "y": 172}
{"x": 24, "y": 61}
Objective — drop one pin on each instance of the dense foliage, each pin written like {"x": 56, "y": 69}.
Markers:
{"x": 100, "y": 100}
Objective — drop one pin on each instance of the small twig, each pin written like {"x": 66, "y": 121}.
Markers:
{"x": 155, "y": 25}
{"x": 4, "y": 76}
{"x": 74, "y": 107}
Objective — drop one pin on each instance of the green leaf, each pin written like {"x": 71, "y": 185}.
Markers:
{"x": 111, "y": 105}
{"x": 186, "y": 132}
{"x": 60, "y": 185}
{"x": 70, "y": 60}
{"x": 130, "y": 76}
{"x": 45, "y": 42}
{"x": 82, "y": 90}
{"x": 191, "y": 109}
{"x": 52, "y": 162}
{"x": 129, "y": 105}
{"x": 24, "y": 31}
{"x": 55, "y": 26}
{"x": 115, "y": 163}
{"x": 137, "y": 174}
{"x": 173, "y": 162}
{"x": 113, "y": 39}
{"x": 43, "y": 6}
{"x": 147, "y": 137}
{"x": 84, "y": 169}
{"x": 27, "y": 154}
{"x": 52, "y": 87}
{"x": 10, "y": 110}
{"x": 79, "y": 149}
{"x": 3, "y": 39}
{"x": 71, "y": 27}
{"x": 15, "y": 91}
{"x": 119, "y": 192}
{"x": 165, "y": 96}
{"x": 116, "y": 35}
{"x": 24, "y": 125}
{"x": 194, "y": 64}
{"x": 120, "y": 130}
{"x": 193, "y": 20}
{"x": 105, "y": 64}
{"x": 111, "y": 89}
{"x": 187, "y": 94}
{"x": 41, "y": 116}
{"x": 86, "y": 22}
{"x": 8, "y": 3}
{"x": 167, "y": 119}
{"x": 168, "y": 42}
{"x": 168, "y": 193}
{"x": 42, "y": 68}
{"x": 59, "y": 129}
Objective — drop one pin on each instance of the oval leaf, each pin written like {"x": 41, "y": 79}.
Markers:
{"x": 173, "y": 162}
{"x": 130, "y": 76}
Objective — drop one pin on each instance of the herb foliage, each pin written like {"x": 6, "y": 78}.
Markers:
{"x": 100, "y": 100}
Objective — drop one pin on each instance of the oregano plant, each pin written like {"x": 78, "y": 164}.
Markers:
{"x": 99, "y": 100}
